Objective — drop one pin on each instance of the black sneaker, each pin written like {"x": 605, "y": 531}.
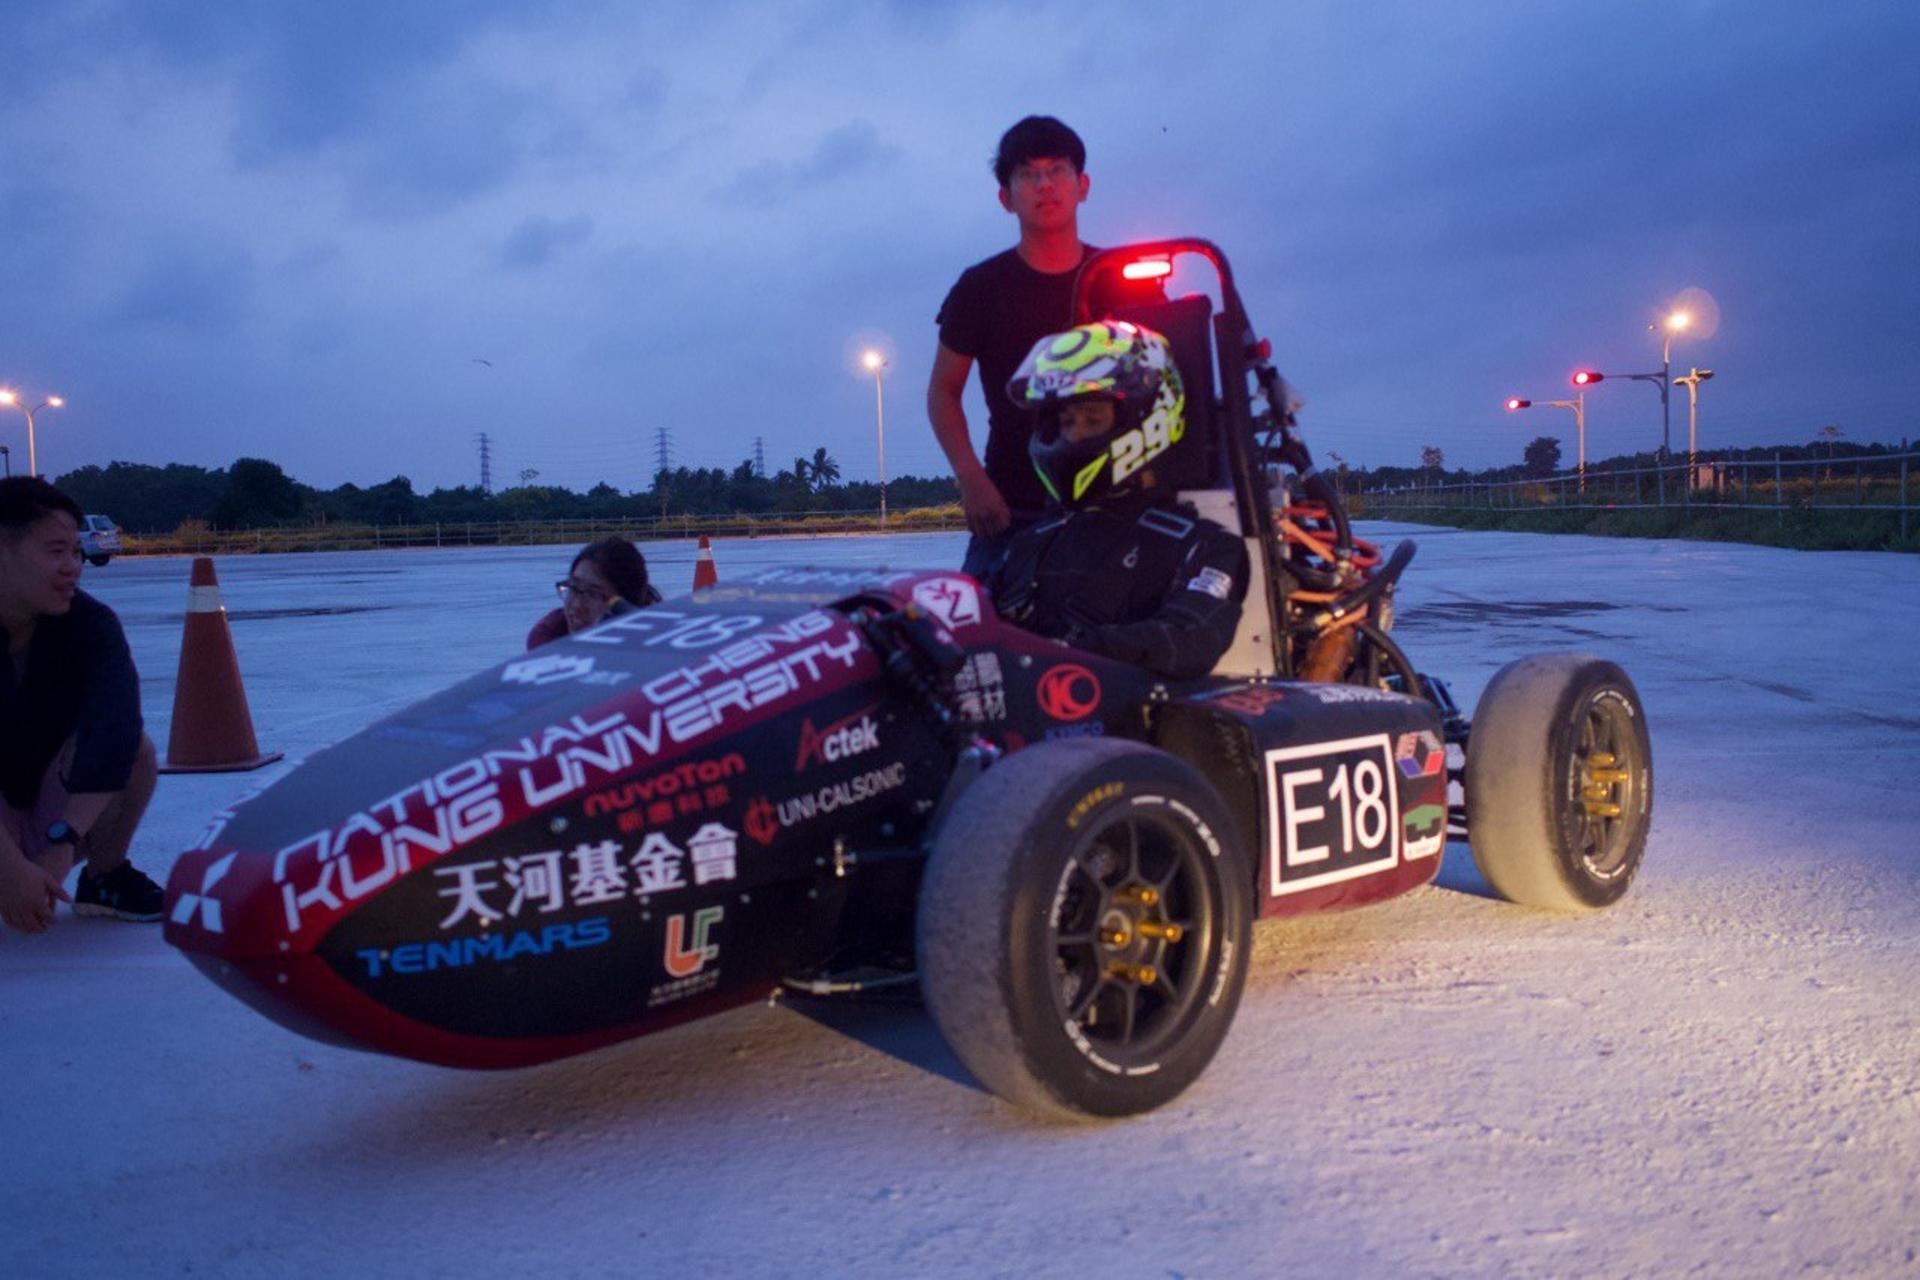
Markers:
{"x": 124, "y": 893}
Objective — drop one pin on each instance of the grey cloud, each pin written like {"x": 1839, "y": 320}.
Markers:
{"x": 194, "y": 288}
{"x": 535, "y": 241}
{"x": 844, "y": 151}
{"x": 440, "y": 147}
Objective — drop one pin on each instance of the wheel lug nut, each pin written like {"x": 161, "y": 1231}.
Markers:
{"x": 1115, "y": 937}
{"x": 1144, "y": 975}
{"x": 1164, "y": 932}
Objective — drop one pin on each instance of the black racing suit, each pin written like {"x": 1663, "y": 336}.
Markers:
{"x": 1141, "y": 579}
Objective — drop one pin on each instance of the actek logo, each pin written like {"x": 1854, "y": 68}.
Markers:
{"x": 844, "y": 739}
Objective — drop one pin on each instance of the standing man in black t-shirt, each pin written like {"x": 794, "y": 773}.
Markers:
{"x": 994, "y": 314}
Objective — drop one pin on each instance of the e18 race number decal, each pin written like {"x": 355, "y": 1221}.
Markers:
{"x": 1334, "y": 811}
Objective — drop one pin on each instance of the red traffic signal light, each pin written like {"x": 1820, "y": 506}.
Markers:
{"x": 1587, "y": 377}
{"x": 1516, "y": 402}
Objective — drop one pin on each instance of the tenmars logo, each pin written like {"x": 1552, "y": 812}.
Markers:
{"x": 844, "y": 739}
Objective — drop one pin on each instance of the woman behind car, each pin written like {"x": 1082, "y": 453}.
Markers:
{"x": 607, "y": 577}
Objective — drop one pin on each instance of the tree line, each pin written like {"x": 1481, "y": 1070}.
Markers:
{"x": 1542, "y": 457}
{"x": 255, "y": 493}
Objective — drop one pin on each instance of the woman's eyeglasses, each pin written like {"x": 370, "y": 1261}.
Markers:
{"x": 568, "y": 589}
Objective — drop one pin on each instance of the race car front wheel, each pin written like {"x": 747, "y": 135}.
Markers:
{"x": 1083, "y": 927}
{"x": 1559, "y": 782}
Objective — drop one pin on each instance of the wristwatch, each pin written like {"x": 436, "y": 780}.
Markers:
{"x": 60, "y": 831}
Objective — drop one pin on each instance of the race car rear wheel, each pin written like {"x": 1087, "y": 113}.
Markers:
{"x": 1559, "y": 782}
{"x": 1083, "y": 927}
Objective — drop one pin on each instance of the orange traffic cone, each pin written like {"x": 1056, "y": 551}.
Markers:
{"x": 212, "y": 729}
{"x": 704, "y": 574}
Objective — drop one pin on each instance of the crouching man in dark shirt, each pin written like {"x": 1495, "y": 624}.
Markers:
{"x": 1121, "y": 569}
{"x": 76, "y": 769}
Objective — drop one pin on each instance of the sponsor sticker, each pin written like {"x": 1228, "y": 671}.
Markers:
{"x": 849, "y": 736}
{"x": 684, "y": 791}
{"x": 1334, "y": 813}
{"x": 556, "y": 667}
{"x": 1210, "y": 581}
{"x": 1068, "y": 692}
{"x": 979, "y": 690}
{"x": 1426, "y": 830}
{"x": 203, "y": 908}
{"x": 691, "y": 956}
{"x": 1254, "y": 700}
{"x": 766, "y": 817}
{"x": 955, "y": 601}
{"x": 487, "y": 948}
{"x": 495, "y": 889}
{"x": 1347, "y": 693}
{"x": 842, "y": 795}
{"x": 1420, "y": 754}
{"x": 762, "y": 823}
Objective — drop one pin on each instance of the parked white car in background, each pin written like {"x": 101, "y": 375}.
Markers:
{"x": 99, "y": 539}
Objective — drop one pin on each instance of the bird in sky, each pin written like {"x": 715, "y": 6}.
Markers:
{"x": 478, "y": 360}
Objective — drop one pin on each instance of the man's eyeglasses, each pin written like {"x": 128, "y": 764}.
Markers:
{"x": 1032, "y": 175}
{"x": 568, "y": 589}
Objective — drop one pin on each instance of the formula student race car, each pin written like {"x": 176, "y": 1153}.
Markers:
{"x": 826, "y": 780}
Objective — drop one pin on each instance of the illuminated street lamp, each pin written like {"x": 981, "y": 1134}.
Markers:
{"x": 12, "y": 398}
{"x": 1692, "y": 383}
{"x": 1676, "y": 322}
{"x": 875, "y": 364}
{"x": 1579, "y": 406}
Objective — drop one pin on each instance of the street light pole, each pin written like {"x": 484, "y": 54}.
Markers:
{"x": 1674, "y": 323}
{"x": 878, "y": 363}
{"x": 8, "y": 397}
{"x": 1692, "y": 383}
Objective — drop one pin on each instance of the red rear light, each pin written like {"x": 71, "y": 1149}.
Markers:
{"x": 1148, "y": 269}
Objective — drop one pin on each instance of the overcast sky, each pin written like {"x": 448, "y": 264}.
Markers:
{"x": 294, "y": 230}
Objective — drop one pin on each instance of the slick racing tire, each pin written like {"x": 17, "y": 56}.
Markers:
{"x": 1083, "y": 928}
{"x": 98, "y": 561}
{"x": 1559, "y": 782}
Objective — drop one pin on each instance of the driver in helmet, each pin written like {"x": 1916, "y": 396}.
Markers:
{"x": 1119, "y": 568}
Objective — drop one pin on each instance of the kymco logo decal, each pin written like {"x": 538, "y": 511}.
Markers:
{"x": 1068, "y": 692}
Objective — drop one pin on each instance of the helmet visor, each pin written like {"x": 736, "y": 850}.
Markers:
{"x": 1085, "y": 418}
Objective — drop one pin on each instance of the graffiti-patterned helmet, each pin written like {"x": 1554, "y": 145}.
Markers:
{"x": 1110, "y": 360}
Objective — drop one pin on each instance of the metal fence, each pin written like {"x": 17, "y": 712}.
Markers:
{"x": 491, "y": 533}
{"x": 1875, "y": 483}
